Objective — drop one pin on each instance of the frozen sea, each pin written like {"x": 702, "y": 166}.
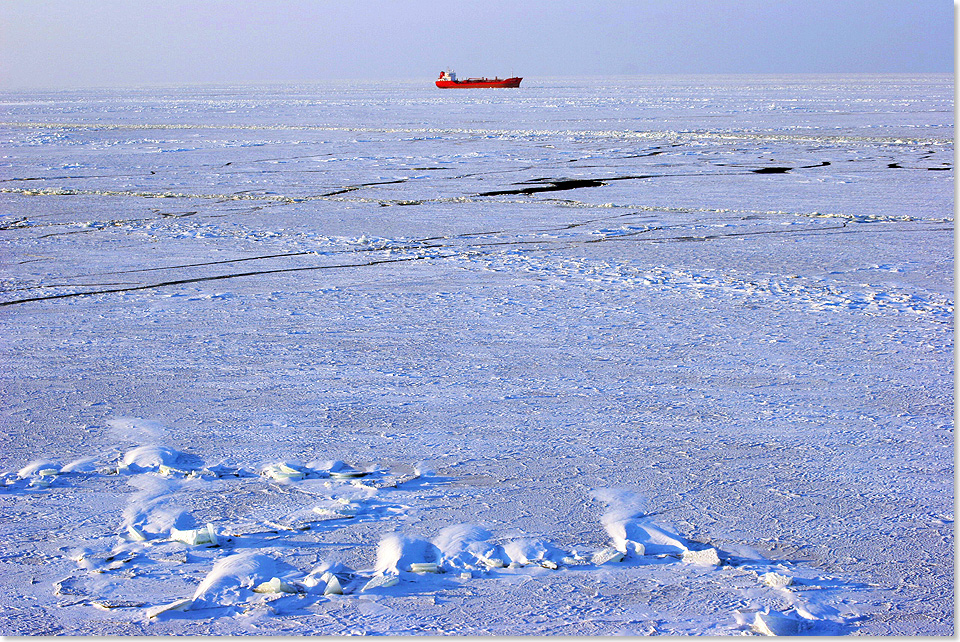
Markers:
{"x": 597, "y": 356}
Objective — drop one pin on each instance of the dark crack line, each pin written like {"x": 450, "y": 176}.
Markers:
{"x": 424, "y": 244}
{"x": 553, "y": 186}
{"x": 190, "y": 265}
{"x": 340, "y": 191}
{"x": 490, "y": 173}
{"x": 559, "y": 185}
{"x": 66, "y": 178}
{"x": 353, "y": 188}
{"x": 419, "y": 244}
{"x": 415, "y": 246}
{"x": 203, "y": 279}
{"x": 571, "y": 226}
{"x": 45, "y": 236}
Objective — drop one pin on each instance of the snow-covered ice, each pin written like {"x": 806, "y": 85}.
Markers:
{"x": 636, "y": 355}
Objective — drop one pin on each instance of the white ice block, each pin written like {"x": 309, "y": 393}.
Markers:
{"x": 275, "y": 585}
{"x": 776, "y": 580}
{"x": 381, "y": 581}
{"x": 179, "y": 605}
{"x": 203, "y": 536}
{"x": 333, "y": 584}
{"x": 708, "y": 557}
{"x": 775, "y": 624}
{"x": 606, "y": 556}
{"x": 282, "y": 472}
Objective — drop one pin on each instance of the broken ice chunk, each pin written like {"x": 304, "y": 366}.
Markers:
{"x": 707, "y": 557}
{"x": 225, "y": 469}
{"x": 282, "y": 472}
{"x": 340, "y": 470}
{"x": 41, "y": 481}
{"x": 606, "y": 556}
{"x": 275, "y": 585}
{"x": 324, "y": 579}
{"x": 425, "y": 567}
{"x": 179, "y": 605}
{"x": 492, "y": 562}
{"x": 398, "y": 552}
{"x": 339, "y": 509}
{"x": 381, "y": 581}
{"x": 148, "y": 458}
{"x": 631, "y": 529}
{"x": 42, "y": 467}
{"x": 170, "y": 471}
{"x": 41, "y": 473}
{"x": 203, "y": 536}
{"x": 232, "y": 577}
{"x": 775, "y": 624}
{"x": 465, "y": 546}
{"x": 347, "y": 474}
{"x": 531, "y": 551}
{"x": 333, "y": 584}
{"x": 776, "y": 580}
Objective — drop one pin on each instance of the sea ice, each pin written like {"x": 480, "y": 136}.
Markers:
{"x": 203, "y": 536}
{"x": 776, "y": 580}
{"x": 147, "y": 458}
{"x": 706, "y": 557}
{"x": 776, "y": 624}
{"x": 331, "y": 584}
{"x": 380, "y": 581}
{"x": 529, "y": 550}
{"x": 275, "y": 585}
{"x": 607, "y": 555}
{"x": 398, "y": 552}
{"x": 465, "y": 546}
{"x": 231, "y": 576}
{"x": 282, "y": 472}
{"x": 620, "y": 316}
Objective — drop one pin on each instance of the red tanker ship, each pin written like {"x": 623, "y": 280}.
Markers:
{"x": 448, "y": 79}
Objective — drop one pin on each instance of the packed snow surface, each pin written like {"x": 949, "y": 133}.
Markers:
{"x": 638, "y": 355}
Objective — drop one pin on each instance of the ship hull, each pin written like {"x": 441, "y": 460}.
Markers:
{"x": 479, "y": 83}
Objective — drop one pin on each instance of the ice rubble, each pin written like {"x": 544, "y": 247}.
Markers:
{"x": 243, "y": 575}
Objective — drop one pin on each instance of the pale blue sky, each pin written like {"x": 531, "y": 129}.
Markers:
{"x": 75, "y": 43}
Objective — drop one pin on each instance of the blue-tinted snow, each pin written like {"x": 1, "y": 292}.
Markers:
{"x": 717, "y": 311}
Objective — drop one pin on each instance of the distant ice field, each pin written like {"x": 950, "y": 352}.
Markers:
{"x": 595, "y": 356}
